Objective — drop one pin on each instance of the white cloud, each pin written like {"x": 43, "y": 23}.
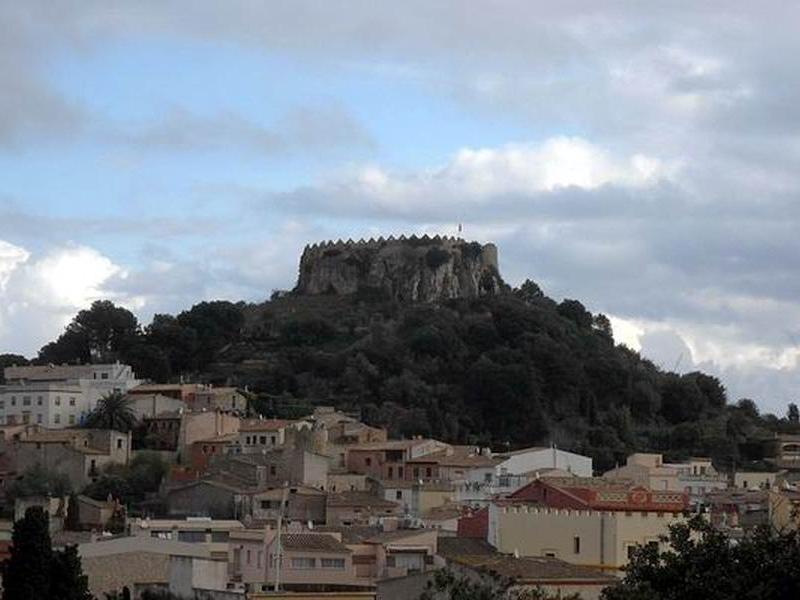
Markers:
{"x": 40, "y": 294}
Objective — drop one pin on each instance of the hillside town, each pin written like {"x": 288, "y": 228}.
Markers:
{"x": 325, "y": 505}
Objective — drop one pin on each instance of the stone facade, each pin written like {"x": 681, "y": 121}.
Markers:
{"x": 412, "y": 269}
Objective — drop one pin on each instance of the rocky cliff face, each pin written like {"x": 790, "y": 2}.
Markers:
{"x": 413, "y": 269}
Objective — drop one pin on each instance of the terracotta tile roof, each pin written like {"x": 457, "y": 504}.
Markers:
{"x": 308, "y": 542}
{"x": 351, "y": 534}
{"x": 264, "y": 425}
{"x": 48, "y": 372}
{"x": 535, "y": 569}
{"x": 394, "y": 536}
{"x": 449, "y": 547}
{"x": 359, "y": 499}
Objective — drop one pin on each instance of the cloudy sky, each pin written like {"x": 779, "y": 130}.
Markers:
{"x": 643, "y": 157}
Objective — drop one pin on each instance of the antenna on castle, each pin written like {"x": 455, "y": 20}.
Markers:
{"x": 460, "y": 228}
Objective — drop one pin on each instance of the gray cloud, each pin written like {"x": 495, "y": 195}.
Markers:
{"x": 306, "y": 129}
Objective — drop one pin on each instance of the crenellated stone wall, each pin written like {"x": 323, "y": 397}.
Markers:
{"x": 402, "y": 268}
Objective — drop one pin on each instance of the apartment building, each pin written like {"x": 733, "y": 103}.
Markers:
{"x": 57, "y": 396}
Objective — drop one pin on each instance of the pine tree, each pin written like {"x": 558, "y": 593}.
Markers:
{"x": 26, "y": 574}
{"x": 67, "y": 581}
{"x": 73, "y": 520}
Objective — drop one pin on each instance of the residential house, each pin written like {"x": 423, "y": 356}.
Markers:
{"x": 256, "y": 435}
{"x": 555, "y": 577}
{"x": 193, "y": 576}
{"x": 387, "y": 460}
{"x": 310, "y": 562}
{"x": 57, "y": 396}
{"x": 202, "y": 452}
{"x": 359, "y": 508}
{"x": 598, "y": 538}
{"x": 300, "y": 504}
{"x": 137, "y": 562}
{"x": 350, "y": 482}
{"x": 95, "y": 514}
{"x": 80, "y": 454}
{"x": 177, "y": 431}
{"x": 274, "y": 467}
{"x": 401, "y": 552}
{"x": 756, "y": 480}
{"x": 219, "y": 398}
{"x": 209, "y": 534}
{"x": 417, "y": 498}
{"x": 154, "y": 405}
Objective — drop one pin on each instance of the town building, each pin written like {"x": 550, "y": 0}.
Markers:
{"x": 387, "y": 460}
{"x": 58, "y": 396}
{"x": 598, "y": 538}
{"x": 359, "y": 508}
{"x": 80, "y": 454}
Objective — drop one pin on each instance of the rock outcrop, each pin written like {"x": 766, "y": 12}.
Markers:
{"x": 414, "y": 269}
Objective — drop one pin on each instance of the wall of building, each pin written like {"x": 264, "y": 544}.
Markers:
{"x": 545, "y": 458}
{"x": 604, "y": 537}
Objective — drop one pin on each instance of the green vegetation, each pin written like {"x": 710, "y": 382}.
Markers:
{"x": 113, "y": 411}
{"x": 34, "y": 570}
{"x": 38, "y": 481}
{"x": 446, "y": 585}
{"x": 130, "y": 483}
{"x": 506, "y": 371}
{"x": 702, "y": 562}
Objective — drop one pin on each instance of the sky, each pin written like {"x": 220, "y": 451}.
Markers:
{"x": 642, "y": 157}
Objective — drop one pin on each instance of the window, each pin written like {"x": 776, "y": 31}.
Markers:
{"x": 26, "y": 401}
{"x": 273, "y": 470}
{"x": 72, "y": 419}
{"x": 398, "y": 495}
{"x": 194, "y": 537}
{"x": 104, "y": 376}
{"x": 304, "y": 563}
{"x": 391, "y": 472}
{"x": 262, "y": 440}
{"x": 550, "y": 553}
{"x": 39, "y": 401}
{"x": 26, "y": 417}
{"x": 400, "y": 472}
{"x": 57, "y": 419}
{"x": 259, "y": 558}
{"x": 630, "y": 549}
{"x": 273, "y": 439}
{"x": 428, "y": 472}
{"x": 247, "y": 440}
{"x": 416, "y": 472}
{"x": 38, "y": 418}
{"x": 576, "y": 544}
{"x": 58, "y": 400}
{"x": 368, "y": 461}
{"x": 2, "y": 403}
{"x": 332, "y": 563}
{"x": 248, "y": 557}
{"x": 72, "y": 401}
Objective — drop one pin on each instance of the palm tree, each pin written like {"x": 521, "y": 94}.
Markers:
{"x": 113, "y": 411}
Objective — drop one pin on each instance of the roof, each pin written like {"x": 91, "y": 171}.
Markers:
{"x": 264, "y": 424}
{"x": 220, "y": 439}
{"x": 449, "y": 547}
{"x": 534, "y": 569}
{"x": 48, "y": 372}
{"x": 385, "y": 537}
{"x": 458, "y": 456}
{"x": 388, "y": 445}
{"x": 96, "y": 503}
{"x": 359, "y": 499}
{"x": 319, "y": 542}
{"x": 351, "y": 534}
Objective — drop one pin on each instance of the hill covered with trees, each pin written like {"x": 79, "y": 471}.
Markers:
{"x": 508, "y": 370}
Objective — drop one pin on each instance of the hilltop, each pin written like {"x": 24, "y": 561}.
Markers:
{"x": 493, "y": 366}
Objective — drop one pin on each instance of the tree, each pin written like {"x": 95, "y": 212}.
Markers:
{"x": 446, "y": 585}
{"x": 67, "y": 581}
{"x": 10, "y": 360}
{"x": 793, "y": 414}
{"x": 73, "y": 520}
{"x": 26, "y": 573}
{"x": 113, "y": 411}
{"x": 37, "y": 480}
{"x": 101, "y": 332}
{"x": 700, "y": 562}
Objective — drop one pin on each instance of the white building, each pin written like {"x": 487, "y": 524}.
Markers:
{"x": 57, "y": 396}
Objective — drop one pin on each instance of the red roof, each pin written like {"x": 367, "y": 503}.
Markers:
{"x": 612, "y": 498}
{"x": 264, "y": 425}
